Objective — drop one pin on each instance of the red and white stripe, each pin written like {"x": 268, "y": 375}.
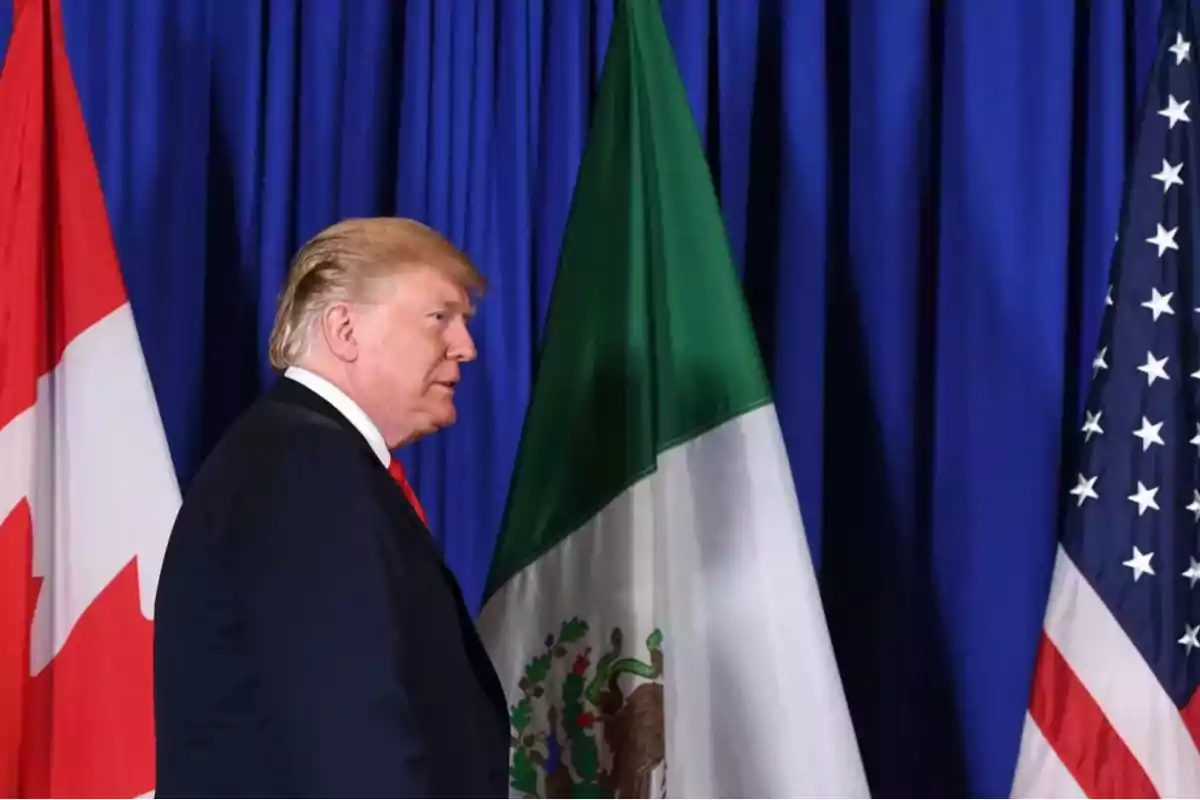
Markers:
{"x": 88, "y": 491}
{"x": 1099, "y": 723}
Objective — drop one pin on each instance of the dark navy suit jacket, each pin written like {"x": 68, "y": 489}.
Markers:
{"x": 309, "y": 640}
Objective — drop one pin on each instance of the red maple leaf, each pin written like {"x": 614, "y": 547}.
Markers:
{"x": 84, "y": 725}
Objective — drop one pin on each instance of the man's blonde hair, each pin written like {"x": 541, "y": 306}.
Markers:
{"x": 336, "y": 264}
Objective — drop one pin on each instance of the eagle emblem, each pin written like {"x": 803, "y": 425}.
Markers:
{"x": 587, "y": 727}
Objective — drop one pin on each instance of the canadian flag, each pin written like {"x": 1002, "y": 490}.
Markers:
{"x": 88, "y": 492}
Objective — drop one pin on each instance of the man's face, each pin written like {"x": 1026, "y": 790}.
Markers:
{"x": 411, "y": 343}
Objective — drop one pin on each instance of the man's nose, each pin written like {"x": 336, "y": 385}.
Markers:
{"x": 462, "y": 346}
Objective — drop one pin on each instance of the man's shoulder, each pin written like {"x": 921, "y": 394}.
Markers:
{"x": 276, "y": 442}
{"x": 285, "y": 432}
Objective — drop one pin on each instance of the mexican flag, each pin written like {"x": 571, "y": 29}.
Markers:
{"x": 652, "y": 608}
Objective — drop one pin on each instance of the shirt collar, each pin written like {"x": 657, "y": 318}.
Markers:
{"x": 348, "y": 408}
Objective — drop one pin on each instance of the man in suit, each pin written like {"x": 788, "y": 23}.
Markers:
{"x": 309, "y": 640}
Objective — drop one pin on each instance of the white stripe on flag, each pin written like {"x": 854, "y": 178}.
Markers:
{"x": 1040, "y": 772}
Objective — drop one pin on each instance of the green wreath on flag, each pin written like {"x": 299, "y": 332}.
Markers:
{"x": 582, "y": 735}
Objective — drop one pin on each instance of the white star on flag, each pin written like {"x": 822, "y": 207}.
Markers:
{"x": 1169, "y": 175}
{"x": 1194, "y": 506}
{"x": 1192, "y": 573}
{"x": 1144, "y": 498}
{"x": 1149, "y": 434}
{"x": 1159, "y": 303}
{"x": 1092, "y": 424}
{"x": 1189, "y": 637}
{"x": 1182, "y": 49}
{"x": 1175, "y": 111}
{"x": 1164, "y": 239}
{"x": 1154, "y": 368}
{"x": 1083, "y": 490}
{"x": 1140, "y": 563}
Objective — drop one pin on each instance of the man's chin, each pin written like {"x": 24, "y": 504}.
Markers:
{"x": 435, "y": 416}
{"x": 445, "y": 417}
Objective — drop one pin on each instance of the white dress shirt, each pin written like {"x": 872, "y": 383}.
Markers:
{"x": 350, "y": 409}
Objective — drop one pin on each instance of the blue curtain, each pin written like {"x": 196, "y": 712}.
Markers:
{"x": 922, "y": 196}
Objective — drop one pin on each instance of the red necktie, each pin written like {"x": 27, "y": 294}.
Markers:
{"x": 396, "y": 469}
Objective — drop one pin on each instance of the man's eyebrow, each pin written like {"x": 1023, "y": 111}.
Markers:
{"x": 466, "y": 309}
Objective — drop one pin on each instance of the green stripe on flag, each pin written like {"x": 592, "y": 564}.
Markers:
{"x": 648, "y": 340}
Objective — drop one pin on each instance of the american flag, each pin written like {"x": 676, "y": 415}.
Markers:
{"x": 1113, "y": 710}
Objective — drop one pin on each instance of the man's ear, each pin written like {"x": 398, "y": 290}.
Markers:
{"x": 337, "y": 323}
